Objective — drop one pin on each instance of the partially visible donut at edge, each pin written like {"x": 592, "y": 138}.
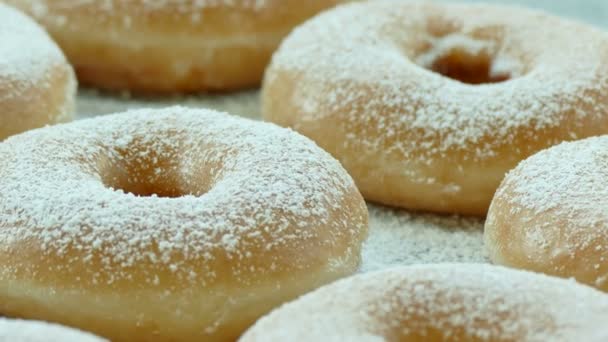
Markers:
{"x": 550, "y": 214}
{"x": 428, "y": 105}
{"x": 37, "y": 85}
{"x": 170, "y": 46}
{"x": 441, "y": 302}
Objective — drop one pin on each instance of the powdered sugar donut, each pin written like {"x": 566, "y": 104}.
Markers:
{"x": 428, "y": 105}
{"x": 549, "y": 214}
{"x": 170, "y": 46}
{"x": 37, "y": 85}
{"x": 34, "y": 331}
{"x": 442, "y": 302}
{"x": 173, "y": 224}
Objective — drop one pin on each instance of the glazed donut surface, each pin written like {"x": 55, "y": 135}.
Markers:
{"x": 441, "y": 302}
{"x": 549, "y": 214}
{"x": 12, "y": 330}
{"x": 170, "y": 46}
{"x": 173, "y": 224}
{"x": 37, "y": 85}
{"x": 429, "y": 105}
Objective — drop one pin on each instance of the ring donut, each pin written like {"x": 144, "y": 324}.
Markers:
{"x": 549, "y": 214}
{"x": 33, "y": 331}
{"x": 170, "y": 46}
{"x": 429, "y": 105}
{"x": 441, "y": 302}
{"x": 170, "y": 225}
{"x": 37, "y": 85}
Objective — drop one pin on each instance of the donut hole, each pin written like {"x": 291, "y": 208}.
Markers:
{"x": 463, "y": 67}
{"x": 148, "y": 170}
{"x": 466, "y": 60}
{"x": 142, "y": 182}
{"x": 143, "y": 178}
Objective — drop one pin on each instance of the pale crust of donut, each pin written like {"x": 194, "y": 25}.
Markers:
{"x": 549, "y": 214}
{"x": 172, "y": 46}
{"x": 441, "y": 302}
{"x": 13, "y": 330}
{"x": 270, "y": 216}
{"x": 350, "y": 79}
{"x": 37, "y": 85}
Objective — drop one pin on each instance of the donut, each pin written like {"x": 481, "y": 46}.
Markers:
{"x": 37, "y": 85}
{"x": 170, "y": 46}
{"x": 441, "y": 302}
{"x": 549, "y": 214}
{"x": 33, "y": 331}
{"x": 171, "y": 224}
{"x": 428, "y": 105}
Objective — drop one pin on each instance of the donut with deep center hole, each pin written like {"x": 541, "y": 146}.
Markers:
{"x": 550, "y": 214}
{"x": 37, "y": 85}
{"x": 441, "y": 302}
{"x": 170, "y": 46}
{"x": 172, "y": 224}
{"x": 428, "y": 105}
{"x": 14, "y": 330}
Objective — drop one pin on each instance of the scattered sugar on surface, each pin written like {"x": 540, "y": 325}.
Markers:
{"x": 35, "y": 331}
{"x": 497, "y": 302}
{"x": 398, "y": 237}
{"x": 27, "y": 53}
{"x": 92, "y": 103}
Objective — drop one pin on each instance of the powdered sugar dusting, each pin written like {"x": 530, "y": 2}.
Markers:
{"x": 396, "y": 236}
{"x": 368, "y": 71}
{"x": 34, "y": 331}
{"x": 244, "y": 191}
{"x": 27, "y": 54}
{"x": 568, "y": 178}
{"x": 452, "y": 301}
{"x": 557, "y": 199}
